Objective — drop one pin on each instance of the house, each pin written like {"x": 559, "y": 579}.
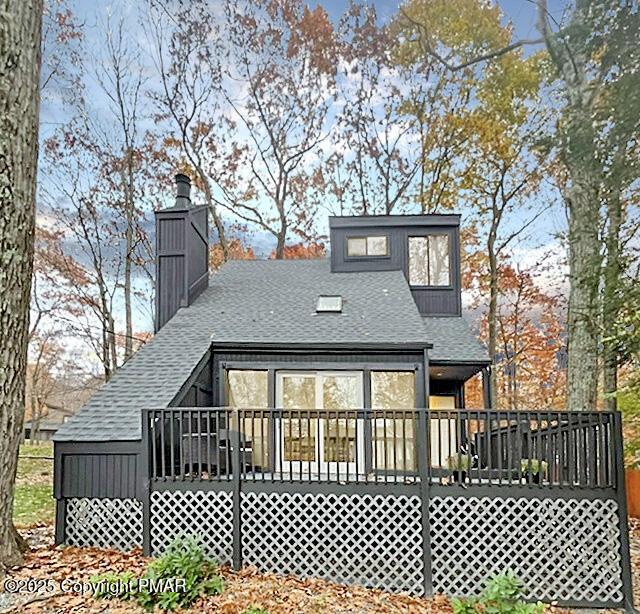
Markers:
{"x": 44, "y": 427}
{"x": 309, "y": 417}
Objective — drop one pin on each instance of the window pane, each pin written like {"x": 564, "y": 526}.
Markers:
{"x": 377, "y": 246}
{"x": 299, "y": 434}
{"x": 249, "y": 390}
{"x": 439, "y": 260}
{"x": 357, "y": 246}
{"x": 329, "y": 303}
{"x": 340, "y": 392}
{"x": 394, "y": 441}
{"x": 393, "y": 390}
{"x": 418, "y": 261}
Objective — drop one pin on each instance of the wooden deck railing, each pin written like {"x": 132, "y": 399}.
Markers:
{"x": 540, "y": 449}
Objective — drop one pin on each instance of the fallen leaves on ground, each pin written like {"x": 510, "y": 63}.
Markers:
{"x": 276, "y": 594}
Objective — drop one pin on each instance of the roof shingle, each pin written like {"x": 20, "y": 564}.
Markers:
{"x": 256, "y": 302}
{"x": 263, "y": 303}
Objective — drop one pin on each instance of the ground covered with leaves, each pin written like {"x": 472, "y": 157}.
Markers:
{"x": 274, "y": 594}
{"x": 265, "y": 593}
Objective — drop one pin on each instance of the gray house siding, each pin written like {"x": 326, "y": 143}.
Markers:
{"x": 198, "y": 390}
{"x": 97, "y": 469}
{"x": 182, "y": 268}
{"x": 93, "y": 472}
{"x": 434, "y": 301}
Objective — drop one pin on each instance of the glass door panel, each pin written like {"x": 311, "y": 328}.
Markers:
{"x": 341, "y": 444}
{"x": 299, "y": 433}
{"x": 394, "y": 394}
{"x": 443, "y": 431}
{"x": 248, "y": 389}
{"x": 311, "y": 442}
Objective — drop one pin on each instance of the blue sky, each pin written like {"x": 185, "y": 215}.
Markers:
{"x": 522, "y": 13}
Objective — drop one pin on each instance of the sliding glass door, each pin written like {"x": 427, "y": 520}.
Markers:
{"x": 307, "y": 443}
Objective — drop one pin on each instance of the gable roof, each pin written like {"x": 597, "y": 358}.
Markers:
{"x": 271, "y": 302}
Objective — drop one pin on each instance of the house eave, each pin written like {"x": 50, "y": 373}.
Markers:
{"x": 339, "y": 346}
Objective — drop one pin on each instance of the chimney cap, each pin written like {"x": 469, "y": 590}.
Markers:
{"x": 183, "y": 190}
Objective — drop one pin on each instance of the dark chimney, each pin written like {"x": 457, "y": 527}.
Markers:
{"x": 182, "y": 253}
{"x": 183, "y": 191}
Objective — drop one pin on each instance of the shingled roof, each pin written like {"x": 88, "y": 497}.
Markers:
{"x": 264, "y": 303}
{"x": 453, "y": 341}
{"x": 250, "y": 302}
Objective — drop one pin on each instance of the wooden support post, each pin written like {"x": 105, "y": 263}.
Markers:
{"x": 145, "y": 493}
{"x": 423, "y": 452}
{"x": 486, "y": 388}
{"x": 236, "y": 468}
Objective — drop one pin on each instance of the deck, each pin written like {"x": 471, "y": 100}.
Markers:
{"x": 412, "y": 500}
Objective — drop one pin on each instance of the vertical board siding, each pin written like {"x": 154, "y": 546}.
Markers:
{"x": 430, "y": 301}
{"x": 171, "y": 233}
{"x": 99, "y": 475}
{"x": 182, "y": 264}
{"x": 170, "y": 286}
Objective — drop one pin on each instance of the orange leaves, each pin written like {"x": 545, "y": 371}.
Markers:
{"x": 313, "y": 32}
{"x": 237, "y": 251}
{"x": 275, "y": 594}
{"x": 302, "y": 251}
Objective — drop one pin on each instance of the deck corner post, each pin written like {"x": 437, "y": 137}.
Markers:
{"x": 145, "y": 485}
{"x": 423, "y": 472}
{"x": 236, "y": 468}
{"x": 424, "y": 460}
{"x": 61, "y": 517}
{"x": 621, "y": 491}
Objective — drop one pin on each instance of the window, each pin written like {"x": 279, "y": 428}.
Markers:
{"x": 249, "y": 390}
{"x": 329, "y": 304}
{"x": 429, "y": 261}
{"x": 394, "y": 432}
{"x": 357, "y": 247}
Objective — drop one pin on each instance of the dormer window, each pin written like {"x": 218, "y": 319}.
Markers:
{"x": 429, "y": 260}
{"x": 374, "y": 245}
{"x": 329, "y": 304}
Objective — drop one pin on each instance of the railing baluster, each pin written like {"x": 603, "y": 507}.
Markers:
{"x": 576, "y": 448}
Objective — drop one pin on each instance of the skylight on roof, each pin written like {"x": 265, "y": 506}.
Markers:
{"x": 329, "y": 304}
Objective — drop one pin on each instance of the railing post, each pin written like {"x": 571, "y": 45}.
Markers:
{"x": 145, "y": 484}
{"x": 621, "y": 492}
{"x": 422, "y": 449}
{"x": 236, "y": 468}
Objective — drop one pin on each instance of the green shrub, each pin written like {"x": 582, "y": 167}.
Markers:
{"x": 114, "y": 586}
{"x": 501, "y": 595}
{"x": 533, "y": 466}
{"x": 255, "y": 609}
{"x": 185, "y": 560}
{"x": 458, "y": 462}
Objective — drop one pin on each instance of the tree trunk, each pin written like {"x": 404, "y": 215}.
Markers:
{"x": 20, "y": 33}
{"x": 584, "y": 269}
{"x": 128, "y": 260}
{"x": 578, "y": 152}
{"x": 213, "y": 210}
{"x": 610, "y": 300}
{"x": 493, "y": 317}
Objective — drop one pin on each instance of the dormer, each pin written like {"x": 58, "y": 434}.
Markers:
{"x": 426, "y": 248}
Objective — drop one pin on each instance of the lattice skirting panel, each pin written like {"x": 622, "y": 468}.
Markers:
{"x": 355, "y": 539}
{"x": 104, "y": 523}
{"x": 562, "y": 549}
{"x": 208, "y": 515}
